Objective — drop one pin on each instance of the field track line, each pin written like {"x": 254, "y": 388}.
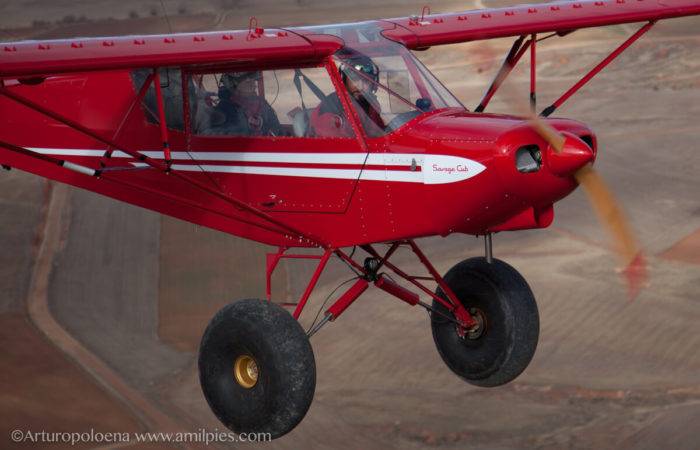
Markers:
{"x": 37, "y": 305}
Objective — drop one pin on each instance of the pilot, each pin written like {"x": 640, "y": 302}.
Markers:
{"x": 360, "y": 76}
{"x": 240, "y": 101}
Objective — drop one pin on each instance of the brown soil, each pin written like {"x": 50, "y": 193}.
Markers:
{"x": 201, "y": 271}
{"x": 41, "y": 390}
{"x": 686, "y": 250}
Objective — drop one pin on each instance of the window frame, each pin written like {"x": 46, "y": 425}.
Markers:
{"x": 151, "y": 115}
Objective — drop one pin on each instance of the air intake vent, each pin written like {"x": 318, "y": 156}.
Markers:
{"x": 528, "y": 159}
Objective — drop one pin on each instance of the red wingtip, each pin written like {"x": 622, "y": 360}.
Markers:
{"x": 636, "y": 275}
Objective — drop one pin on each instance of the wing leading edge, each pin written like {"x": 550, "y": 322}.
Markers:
{"x": 257, "y": 48}
{"x": 439, "y": 29}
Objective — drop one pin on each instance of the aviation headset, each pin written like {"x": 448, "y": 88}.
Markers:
{"x": 361, "y": 63}
{"x": 231, "y": 80}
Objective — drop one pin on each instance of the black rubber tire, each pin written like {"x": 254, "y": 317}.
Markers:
{"x": 509, "y": 338}
{"x": 287, "y": 370}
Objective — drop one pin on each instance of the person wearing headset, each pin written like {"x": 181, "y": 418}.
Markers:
{"x": 241, "y": 103}
{"x": 360, "y": 76}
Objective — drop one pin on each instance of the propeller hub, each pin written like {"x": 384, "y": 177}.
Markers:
{"x": 564, "y": 160}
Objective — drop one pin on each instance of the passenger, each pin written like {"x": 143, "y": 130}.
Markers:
{"x": 222, "y": 118}
{"x": 207, "y": 117}
{"x": 239, "y": 100}
{"x": 327, "y": 119}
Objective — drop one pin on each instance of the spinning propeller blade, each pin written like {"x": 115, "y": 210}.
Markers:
{"x": 599, "y": 195}
{"x": 607, "y": 209}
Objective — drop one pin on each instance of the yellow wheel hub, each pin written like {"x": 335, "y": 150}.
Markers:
{"x": 245, "y": 369}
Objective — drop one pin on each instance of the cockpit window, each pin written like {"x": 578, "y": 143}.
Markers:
{"x": 390, "y": 87}
{"x": 267, "y": 103}
{"x": 381, "y": 110}
{"x": 407, "y": 77}
{"x": 399, "y": 88}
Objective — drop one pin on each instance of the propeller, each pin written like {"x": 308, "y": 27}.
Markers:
{"x": 573, "y": 153}
{"x": 606, "y": 208}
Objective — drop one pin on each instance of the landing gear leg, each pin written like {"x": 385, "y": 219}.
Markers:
{"x": 488, "y": 244}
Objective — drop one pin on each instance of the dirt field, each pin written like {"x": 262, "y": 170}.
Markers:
{"x": 135, "y": 289}
{"x": 43, "y": 390}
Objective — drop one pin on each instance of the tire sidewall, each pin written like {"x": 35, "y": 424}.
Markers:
{"x": 285, "y": 387}
{"x": 512, "y": 327}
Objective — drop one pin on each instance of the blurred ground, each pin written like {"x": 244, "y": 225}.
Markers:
{"x": 136, "y": 289}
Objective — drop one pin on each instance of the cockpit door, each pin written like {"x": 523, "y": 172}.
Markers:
{"x": 265, "y": 137}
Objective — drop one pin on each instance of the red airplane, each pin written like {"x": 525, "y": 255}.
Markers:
{"x": 324, "y": 137}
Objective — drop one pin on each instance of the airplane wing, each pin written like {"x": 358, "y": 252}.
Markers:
{"x": 438, "y": 29}
{"x": 258, "y": 47}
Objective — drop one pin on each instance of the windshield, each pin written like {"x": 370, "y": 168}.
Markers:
{"x": 389, "y": 86}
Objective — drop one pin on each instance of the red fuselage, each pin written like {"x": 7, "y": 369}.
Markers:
{"x": 443, "y": 172}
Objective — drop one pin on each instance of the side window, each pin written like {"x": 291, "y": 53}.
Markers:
{"x": 171, "y": 87}
{"x": 289, "y": 102}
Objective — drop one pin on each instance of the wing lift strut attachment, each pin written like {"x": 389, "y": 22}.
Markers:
{"x": 371, "y": 272}
{"x": 521, "y": 46}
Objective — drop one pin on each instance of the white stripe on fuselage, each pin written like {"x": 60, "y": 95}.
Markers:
{"x": 338, "y": 174}
{"x": 434, "y": 169}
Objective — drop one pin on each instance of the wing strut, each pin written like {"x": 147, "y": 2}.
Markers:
{"x": 137, "y": 100}
{"x": 610, "y": 58}
{"x": 104, "y": 174}
{"x": 161, "y": 118}
{"x": 161, "y": 167}
{"x": 516, "y": 52}
{"x": 514, "y": 55}
{"x": 533, "y": 73}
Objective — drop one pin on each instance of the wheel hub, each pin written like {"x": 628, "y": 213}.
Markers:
{"x": 245, "y": 370}
{"x": 479, "y": 329}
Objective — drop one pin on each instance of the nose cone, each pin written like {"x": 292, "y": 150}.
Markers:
{"x": 572, "y": 156}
